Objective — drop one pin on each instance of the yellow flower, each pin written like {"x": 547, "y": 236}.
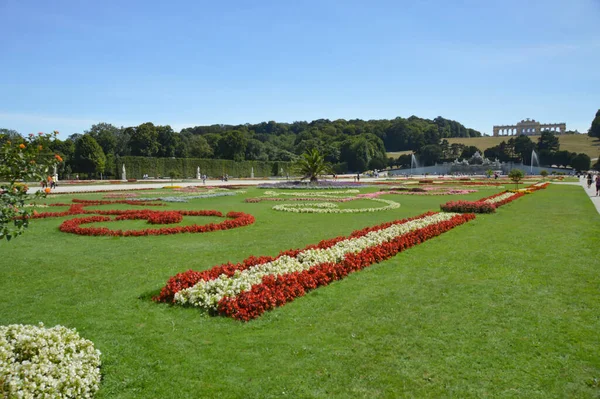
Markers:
{"x": 21, "y": 146}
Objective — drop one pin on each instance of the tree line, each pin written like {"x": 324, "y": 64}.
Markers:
{"x": 349, "y": 145}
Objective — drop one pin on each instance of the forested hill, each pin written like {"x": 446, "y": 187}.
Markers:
{"x": 397, "y": 134}
{"x": 353, "y": 145}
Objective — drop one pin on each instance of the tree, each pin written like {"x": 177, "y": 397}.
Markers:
{"x": 168, "y": 141}
{"x": 544, "y": 173}
{"x": 469, "y": 151}
{"x": 89, "y": 156}
{"x": 516, "y": 175}
{"x": 523, "y": 146}
{"x": 106, "y": 135}
{"x": 174, "y": 174}
{"x": 232, "y": 145}
{"x": 198, "y": 147}
{"x": 22, "y": 160}
{"x": 548, "y": 141}
{"x": 594, "y": 130}
{"x": 144, "y": 140}
{"x": 311, "y": 165}
{"x": 581, "y": 162}
{"x": 430, "y": 154}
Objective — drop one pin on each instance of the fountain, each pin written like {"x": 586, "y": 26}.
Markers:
{"x": 413, "y": 163}
{"x": 534, "y": 159}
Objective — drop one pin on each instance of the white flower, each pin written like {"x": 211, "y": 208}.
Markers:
{"x": 47, "y": 362}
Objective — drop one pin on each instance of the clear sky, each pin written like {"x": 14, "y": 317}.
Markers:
{"x": 65, "y": 65}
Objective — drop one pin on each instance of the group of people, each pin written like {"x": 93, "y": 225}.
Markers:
{"x": 49, "y": 182}
{"x": 590, "y": 178}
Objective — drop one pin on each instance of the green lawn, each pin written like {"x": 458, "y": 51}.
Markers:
{"x": 506, "y": 305}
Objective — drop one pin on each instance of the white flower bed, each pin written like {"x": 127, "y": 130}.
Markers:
{"x": 499, "y": 198}
{"x": 207, "y": 294}
{"x": 327, "y": 207}
{"x": 39, "y": 362}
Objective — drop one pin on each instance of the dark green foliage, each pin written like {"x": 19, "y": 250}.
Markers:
{"x": 311, "y": 165}
{"x": 469, "y": 151}
{"x": 138, "y": 166}
{"x": 548, "y": 141}
{"x": 523, "y": 147}
{"x": 581, "y": 162}
{"x": 89, "y": 157}
{"x": 143, "y": 140}
{"x": 430, "y": 154}
{"x": 594, "y": 130}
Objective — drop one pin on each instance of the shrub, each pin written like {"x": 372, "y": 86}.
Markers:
{"x": 40, "y": 362}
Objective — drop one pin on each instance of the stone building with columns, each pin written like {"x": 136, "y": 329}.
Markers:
{"x": 529, "y": 127}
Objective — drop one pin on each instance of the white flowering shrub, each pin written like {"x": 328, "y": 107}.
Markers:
{"x": 40, "y": 362}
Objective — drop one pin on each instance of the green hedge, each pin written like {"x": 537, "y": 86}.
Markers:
{"x": 137, "y": 167}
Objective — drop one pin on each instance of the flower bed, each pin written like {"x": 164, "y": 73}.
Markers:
{"x": 236, "y": 219}
{"x": 40, "y": 362}
{"x": 328, "y": 207}
{"x": 320, "y": 185}
{"x": 168, "y": 217}
{"x": 244, "y": 291}
{"x": 501, "y": 198}
{"x": 483, "y": 205}
{"x": 468, "y": 207}
{"x": 188, "y": 197}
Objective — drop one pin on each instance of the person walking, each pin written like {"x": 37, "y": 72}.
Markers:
{"x": 589, "y": 180}
{"x": 598, "y": 184}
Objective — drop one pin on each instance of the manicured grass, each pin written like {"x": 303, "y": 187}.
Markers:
{"x": 504, "y": 306}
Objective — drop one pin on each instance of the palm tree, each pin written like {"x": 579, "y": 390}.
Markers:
{"x": 311, "y": 165}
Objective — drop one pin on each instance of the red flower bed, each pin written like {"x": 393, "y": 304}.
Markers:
{"x": 191, "y": 277}
{"x": 165, "y": 218}
{"x": 77, "y": 208}
{"x": 236, "y": 219}
{"x": 468, "y": 207}
{"x": 278, "y": 290}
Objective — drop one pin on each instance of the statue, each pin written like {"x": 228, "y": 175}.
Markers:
{"x": 252, "y": 173}
{"x": 123, "y": 173}
{"x": 198, "y": 173}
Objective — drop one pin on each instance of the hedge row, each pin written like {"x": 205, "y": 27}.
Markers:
{"x": 137, "y": 167}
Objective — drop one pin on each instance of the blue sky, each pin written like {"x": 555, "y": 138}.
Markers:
{"x": 65, "y": 65}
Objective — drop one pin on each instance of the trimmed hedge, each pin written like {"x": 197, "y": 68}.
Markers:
{"x": 137, "y": 167}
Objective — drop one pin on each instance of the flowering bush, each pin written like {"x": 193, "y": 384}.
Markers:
{"x": 244, "y": 291}
{"x": 236, "y": 219}
{"x": 468, "y": 207}
{"x": 40, "y": 362}
{"x": 22, "y": 160}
